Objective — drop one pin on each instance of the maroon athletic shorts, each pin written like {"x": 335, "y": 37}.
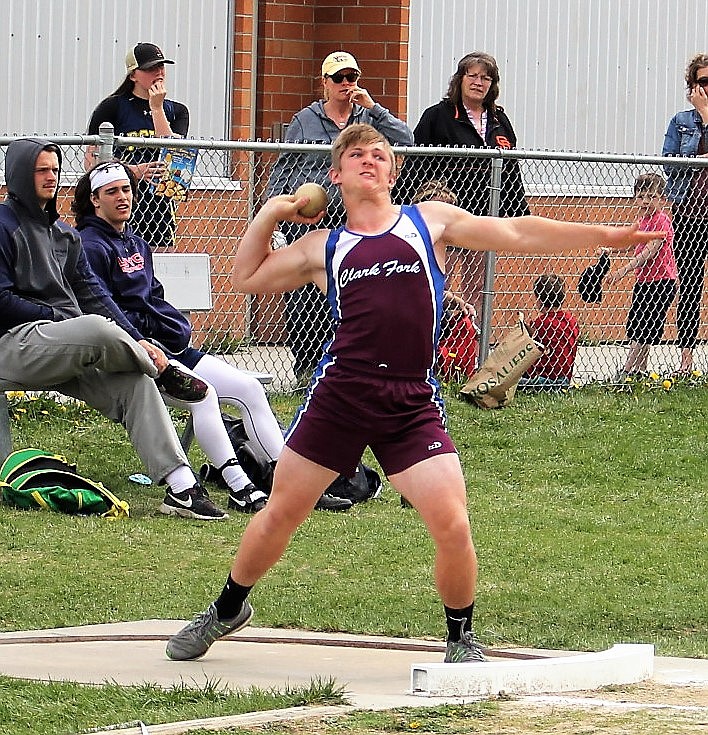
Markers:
{"x": 402, "y": 421}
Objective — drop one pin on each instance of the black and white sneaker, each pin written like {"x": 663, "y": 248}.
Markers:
{"x": 181, "y": 385}
{"x": 247, "y": 500}
{"x": 192, "y": 503}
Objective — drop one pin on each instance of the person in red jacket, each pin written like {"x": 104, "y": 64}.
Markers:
{"x": 557, "y": 330}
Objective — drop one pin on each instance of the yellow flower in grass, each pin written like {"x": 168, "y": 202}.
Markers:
{"x": 414, "y": 725}
{"x": 667, "y": 384}
{"x": 12, "y": 394}
{"x": 654, "y": 376}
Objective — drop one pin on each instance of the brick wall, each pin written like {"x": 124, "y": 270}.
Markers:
{"x": 295, "y": 36}
{"x": 243, "y": 79}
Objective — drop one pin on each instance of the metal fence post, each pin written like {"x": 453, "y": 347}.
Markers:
{"x": 105, "y": 149}
{"x": 490, "y": 259}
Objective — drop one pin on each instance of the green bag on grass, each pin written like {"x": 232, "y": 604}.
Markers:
{"x": 33, "y": 478}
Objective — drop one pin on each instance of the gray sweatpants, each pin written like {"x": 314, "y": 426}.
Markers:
{"x": 94, "y": 360}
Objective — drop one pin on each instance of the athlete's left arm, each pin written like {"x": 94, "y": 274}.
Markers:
{"x": 525, "y": 235}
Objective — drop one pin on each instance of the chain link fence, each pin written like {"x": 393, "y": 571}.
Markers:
{"x": 282, "y": 334}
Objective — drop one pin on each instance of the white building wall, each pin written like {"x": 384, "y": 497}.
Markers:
{"x": 59, "y": 58}
{"x": 581, "y": 75}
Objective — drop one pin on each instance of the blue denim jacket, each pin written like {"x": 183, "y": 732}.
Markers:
{"x": 682, "y": 139}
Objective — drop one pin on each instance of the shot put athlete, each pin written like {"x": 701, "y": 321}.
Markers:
{"x": 383, "y": 275}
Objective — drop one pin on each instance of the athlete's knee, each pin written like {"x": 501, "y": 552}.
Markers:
{"x": 452, "y": 531}
{"x": 283, "y": 516}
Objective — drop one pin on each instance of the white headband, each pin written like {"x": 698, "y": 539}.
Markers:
{"x": 107, "y": 175}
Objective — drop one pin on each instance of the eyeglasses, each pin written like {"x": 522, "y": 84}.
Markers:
{"x": 480, "y": 77}
{"x": 703, "y": 81}
{"x": 339, "y": 76}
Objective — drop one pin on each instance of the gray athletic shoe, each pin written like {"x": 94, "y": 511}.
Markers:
{"x": 464, "y": 651}
{"x": 195, "y": 639}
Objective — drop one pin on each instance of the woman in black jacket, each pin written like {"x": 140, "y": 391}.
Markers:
{"x": 467, "y": 116}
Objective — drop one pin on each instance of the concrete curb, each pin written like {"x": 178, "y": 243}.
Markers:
{"x": 621, "y": 664}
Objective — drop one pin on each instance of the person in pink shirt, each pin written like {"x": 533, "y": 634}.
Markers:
{"x": 656, "y": 275}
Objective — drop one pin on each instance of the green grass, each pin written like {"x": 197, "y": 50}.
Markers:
{"x": 28, "y": 708}
{"x": 588, "y": 510}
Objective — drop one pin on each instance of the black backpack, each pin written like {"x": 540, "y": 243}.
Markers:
{"x": 365, "y": 484}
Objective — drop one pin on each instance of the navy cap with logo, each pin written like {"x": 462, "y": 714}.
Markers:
{"x": 145, "y": 56}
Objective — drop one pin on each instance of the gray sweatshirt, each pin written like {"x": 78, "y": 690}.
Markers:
{"x": 311, "y": 125}
{"x": 44, "y": 274}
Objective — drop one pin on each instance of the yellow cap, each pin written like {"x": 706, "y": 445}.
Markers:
{"x": 337, "y": 61}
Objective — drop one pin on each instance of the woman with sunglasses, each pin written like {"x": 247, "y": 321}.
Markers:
{"x": 687, "y": 188}
{"x": 343, "y": 103}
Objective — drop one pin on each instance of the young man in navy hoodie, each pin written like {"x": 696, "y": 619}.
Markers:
{"x": 59, "y": 329}
{"x": 122, "y": 261}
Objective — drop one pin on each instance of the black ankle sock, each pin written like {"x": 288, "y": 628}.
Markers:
{"x": 458, "y": 621}
{"x": 229, "y": 602}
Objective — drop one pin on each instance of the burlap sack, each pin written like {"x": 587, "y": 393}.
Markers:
{"x": 494, "y": 384}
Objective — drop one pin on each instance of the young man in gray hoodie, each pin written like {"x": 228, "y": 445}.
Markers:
{"x": 60, "y": 330}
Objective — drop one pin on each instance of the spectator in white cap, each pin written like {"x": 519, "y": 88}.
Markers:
{"x": 140, "y": 108}
{"x": 344, "y": 102}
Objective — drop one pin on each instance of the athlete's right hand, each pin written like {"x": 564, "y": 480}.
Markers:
{"x": 284, "y": 207}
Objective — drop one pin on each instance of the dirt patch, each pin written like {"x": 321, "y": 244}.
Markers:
{"x": 609, "y": 711}
{"x": 647, "y": 708}
{"x": 651, "y": 692}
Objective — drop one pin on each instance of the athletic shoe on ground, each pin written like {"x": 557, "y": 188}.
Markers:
{"x": 195, "y": 639}
{"x": 332, "y": 502}
{"x": 247, "y": 500}
{"x": 464, "y": 651}
{"x": 181, "y": 385}
{"x": 192, "y": 503}
{"x": 624, "y": 376}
